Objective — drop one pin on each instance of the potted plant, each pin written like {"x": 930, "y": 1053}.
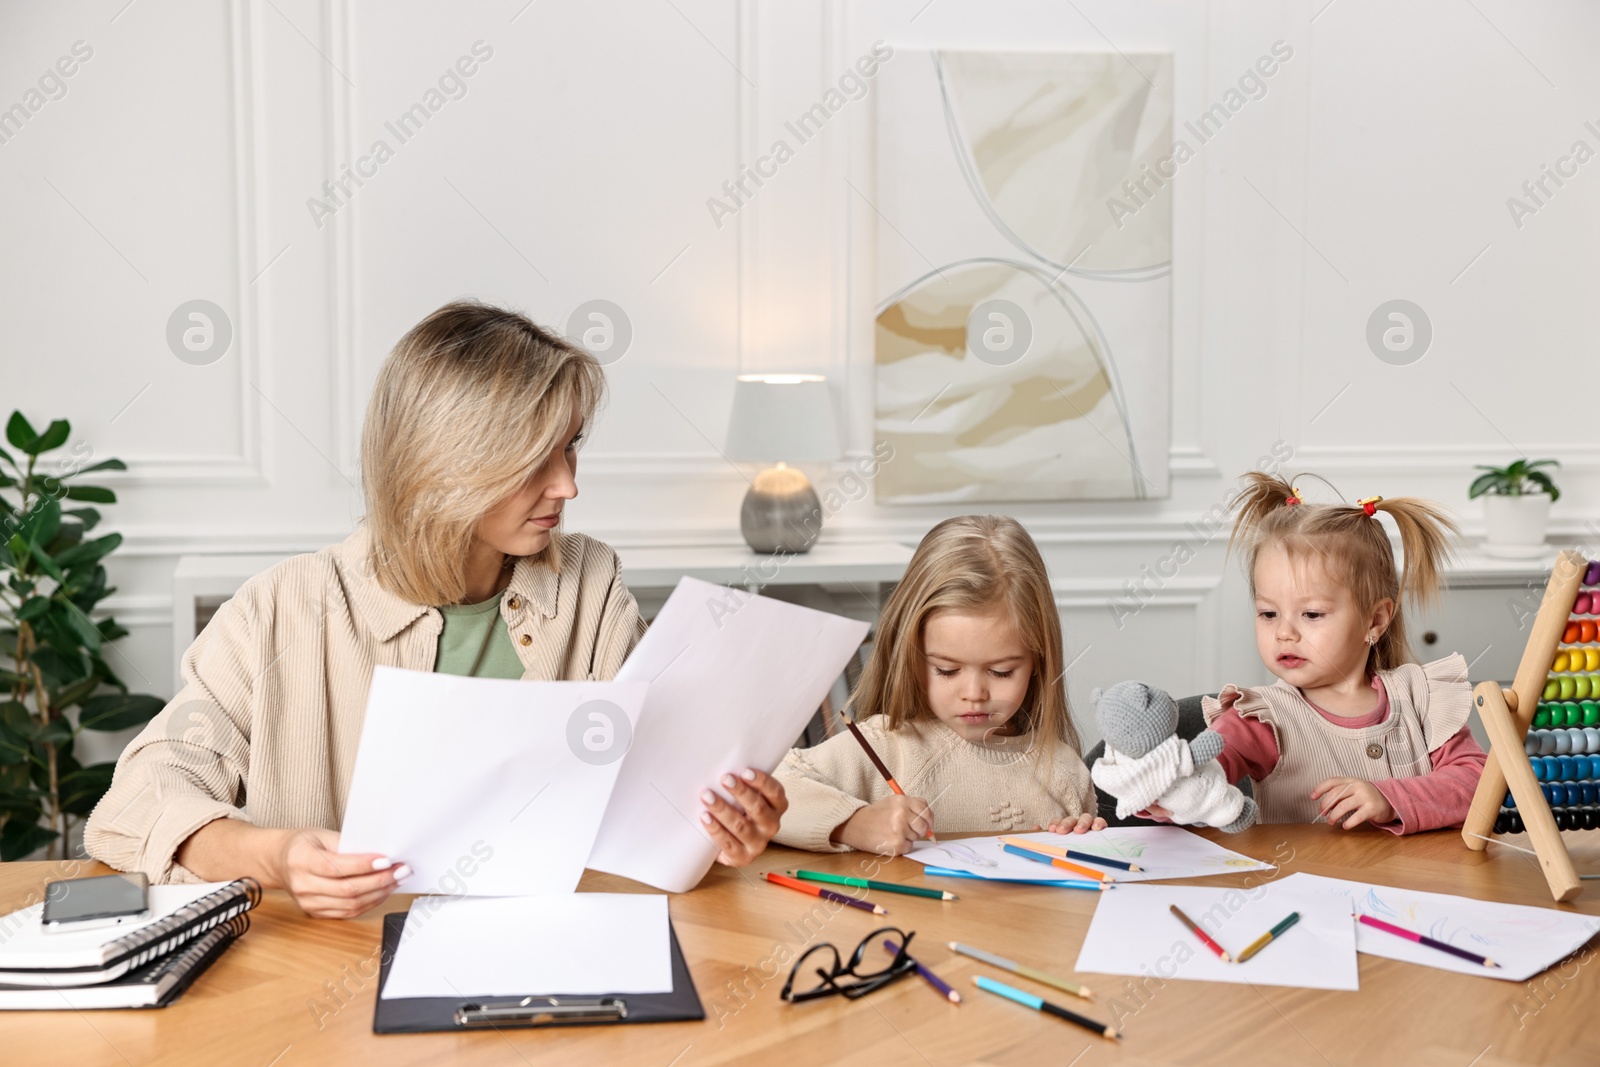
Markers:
{"x": 53, "y": 677}
{"x": 1516, "y": 506}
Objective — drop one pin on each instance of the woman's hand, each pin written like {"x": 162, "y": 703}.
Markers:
{"x": 1078, "y": 824}
{"x": 889, "y": 828}
{"x": 1349, "y": 802}
{"x": 742, "y": 831}
{"x": 326, "y": 883}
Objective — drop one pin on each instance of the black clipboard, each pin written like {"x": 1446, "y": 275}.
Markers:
{"x": 416, "y": 1015}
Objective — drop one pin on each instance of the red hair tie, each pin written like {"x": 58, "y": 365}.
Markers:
{"x": 1370, "y": 504}
{"x": 1293, "y": 498}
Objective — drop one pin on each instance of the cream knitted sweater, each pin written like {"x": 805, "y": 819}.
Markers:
{"x": 972, "y": 789}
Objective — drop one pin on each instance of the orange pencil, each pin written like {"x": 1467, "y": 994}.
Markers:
{"x": 894, "y": 786}
{"x": 826, "y": 894}
{"x": 1066, "y": 865}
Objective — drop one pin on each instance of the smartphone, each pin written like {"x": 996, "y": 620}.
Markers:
{"x": 88, "y": 903}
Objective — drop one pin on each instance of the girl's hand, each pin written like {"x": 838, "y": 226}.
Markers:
{"x": 329, "y": 884}
{"x": 1349, "y": 802}
{"x": 742, "y": 831}
{"x": 1078, "y": 824}
{"x": 890, "y": 827}
{"x": 1156, "y": 813}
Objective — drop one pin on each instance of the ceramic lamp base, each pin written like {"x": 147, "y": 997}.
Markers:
{"x": 781, "y": 512}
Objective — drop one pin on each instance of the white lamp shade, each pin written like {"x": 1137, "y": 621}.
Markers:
{"x": 782, "y": 418}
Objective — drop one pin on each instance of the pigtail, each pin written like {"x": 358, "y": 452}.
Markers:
{"x": 1425, "y": 533}
{"x": 1262, "y": 495}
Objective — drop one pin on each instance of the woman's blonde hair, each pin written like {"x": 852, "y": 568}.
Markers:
{"x": 1354, "y": 549}
{"x": 467, "y": 406}
{"x": 970, "y": 564}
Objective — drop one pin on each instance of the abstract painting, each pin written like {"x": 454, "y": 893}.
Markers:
{"x": 1023, "y": 320}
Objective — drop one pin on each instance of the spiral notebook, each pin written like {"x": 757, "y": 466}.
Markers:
{"x": 31, "y": 956}
{"x": 154, "y": 984}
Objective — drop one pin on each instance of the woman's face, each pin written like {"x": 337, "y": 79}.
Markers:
{"x": 522, "y": 523}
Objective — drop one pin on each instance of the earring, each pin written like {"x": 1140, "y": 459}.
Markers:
{"x": 1371, "y": 640}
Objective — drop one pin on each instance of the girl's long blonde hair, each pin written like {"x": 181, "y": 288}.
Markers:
{"x": 969, "y": 564}
{"x": 1353, "y": 547}
{"x": 467, "y": 406}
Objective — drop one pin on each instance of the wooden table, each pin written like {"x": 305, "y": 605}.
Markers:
{"x": 299, "y": 991}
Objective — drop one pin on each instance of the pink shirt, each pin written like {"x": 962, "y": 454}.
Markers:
{"x": 1426, "y": 802}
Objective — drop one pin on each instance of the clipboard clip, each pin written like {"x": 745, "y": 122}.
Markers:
{"x": 540, "y": 1011}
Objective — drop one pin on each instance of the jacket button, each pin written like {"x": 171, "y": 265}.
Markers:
{"x": 515, "y": 603}
{"x": 527, "y": 640}
{"x": 1374, "y": 750}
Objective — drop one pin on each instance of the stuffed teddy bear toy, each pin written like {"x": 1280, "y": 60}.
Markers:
{"x": 1146, "y": 762}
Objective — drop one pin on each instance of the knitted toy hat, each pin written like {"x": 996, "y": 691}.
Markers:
{"x": 1133, "y": 717}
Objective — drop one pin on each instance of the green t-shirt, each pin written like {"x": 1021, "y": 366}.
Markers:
{"x": 462, "y": 636}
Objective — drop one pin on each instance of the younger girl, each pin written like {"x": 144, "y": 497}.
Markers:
{"x": 1353, "y": 731}
{"x": 962, "y": 699}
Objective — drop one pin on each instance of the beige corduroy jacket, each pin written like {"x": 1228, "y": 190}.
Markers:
{"x": 275, "y": 690}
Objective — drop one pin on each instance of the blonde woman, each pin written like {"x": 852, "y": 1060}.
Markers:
{"x": 963, "y": 699}
{"x": 469, "y": 454}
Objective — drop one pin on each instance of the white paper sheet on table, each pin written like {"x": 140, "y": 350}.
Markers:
{"x": 733, "y": 680}
{"x": 1164, "y": 852}
{"x": 476, "y": 784}
{"x": 1134, "y": 932}
{"x": 584, "y": 944}
{"x": 1523, "y": 940}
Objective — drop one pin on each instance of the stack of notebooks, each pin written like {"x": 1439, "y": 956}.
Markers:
{"x": 146, "y": 965}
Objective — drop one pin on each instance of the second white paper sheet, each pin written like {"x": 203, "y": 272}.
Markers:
{"x": 733, "y": 680}
{"x": 1134, "y": 932}
{"x": 478, "y": 784}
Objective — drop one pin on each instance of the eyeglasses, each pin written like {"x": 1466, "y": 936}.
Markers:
{"x": 828, "y": 968}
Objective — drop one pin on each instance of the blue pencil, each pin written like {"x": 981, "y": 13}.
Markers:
{"x": 1059, "y": 883}
{"x": 1040, "y": 1004}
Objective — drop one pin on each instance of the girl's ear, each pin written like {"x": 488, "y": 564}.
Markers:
{"x": 1382, "y": 616}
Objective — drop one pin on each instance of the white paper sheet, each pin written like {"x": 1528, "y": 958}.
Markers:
{"x": 1134, "y": 932}
{"x": 477, "y": 783}
{"x": 1164, "y": 852}
{"x": 733, "y": 680}
{"x": 1523, "y": 940}
{"x": 584, "y": 944}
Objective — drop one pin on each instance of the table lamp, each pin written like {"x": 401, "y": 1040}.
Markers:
{"x": 781, "y": 419}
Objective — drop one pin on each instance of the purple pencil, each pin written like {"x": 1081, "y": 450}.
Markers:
{"x": 927, "y": 975}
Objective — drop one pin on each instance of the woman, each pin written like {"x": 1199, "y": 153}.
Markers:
{"x": 468, "y": 455}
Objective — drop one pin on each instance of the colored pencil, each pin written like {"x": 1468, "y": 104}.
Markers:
{"x": 1267, "y": 938}
{"x": 894, "y": 786}
{"x": 869, "y": 883}
{"x": 1066, "y": 865}
{"x": 928, "y": 976}
{"x": 1071, "y": 853}
{"x": 1422, "y": 939}
{"x": 1040, "y": 1004}
{"x": 1201, "y": 934}
{"x": 1058, "y": 883}
{"x": 1018, "y": 968}
{"x": 825, "y": 894}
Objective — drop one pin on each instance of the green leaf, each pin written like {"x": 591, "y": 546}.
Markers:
{"x": 1482, "y": 484}
{"x": 109, "y": 630}
{"x": 46, "y": 564}
{"x": 88, "y": 551}
{"x": 1542, "y": 480}
{"x": 57, "y": 667}
{"x": 81, "y": 790}
{"x": 16, "y": 726}
{"x": 33, "y": 607}
{"x": 56, "y": 732}
{"x": 21, "y": 836}
{"x": 88, "y": 516}
{"x": 42, "y": 522}
{"x": 21, "y": 801}
{"x": 105, "y": 465}
{"x": 76, "y": 693}
{"x": 82, "y": 627}
{"x": 94, "y": 494}
{"x": 53, "y": 437}
{"x": 118, "y": 711}
{"x": 21, "y": 433}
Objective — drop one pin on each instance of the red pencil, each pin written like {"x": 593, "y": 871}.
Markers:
{"x": 894, "y": 786}
{"x": 1201, "y": 934}
{"x": 825, "y": 894}
{"x": 1412, "y": 935}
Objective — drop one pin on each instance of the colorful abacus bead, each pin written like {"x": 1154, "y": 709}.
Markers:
{"x": 1591, "y": 712}
{"x": 1541, "y": 716}
{"x": 1591, "y": 737}
{"x": 1591, "y": 574}
{"x": 1587, "y": 631}
{"x": 1581, "y": 605}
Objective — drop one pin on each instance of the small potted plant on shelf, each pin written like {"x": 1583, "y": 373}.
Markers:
{"x": 1516, "y": 506}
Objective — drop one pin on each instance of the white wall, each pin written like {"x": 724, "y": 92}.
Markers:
{"x": 577, "y": 166}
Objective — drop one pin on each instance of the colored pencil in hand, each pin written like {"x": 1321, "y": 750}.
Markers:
{"x": 894, "y": 786}
{"x": 1071, "y": 853}
{"x": 932, "y": 979}
{"x": 1066, "y": 865}
{"x": 1422, "y": 939}
{"x": 825, "y": 894}
{"x": 1267, "y": 938}
{"x": 1057, "y": 883}
{"x": 1040, "y": 1004}
{"x": 1018, "y": 968}
{"x": 1204, "y": 937}
{"x": 869, "y": 883}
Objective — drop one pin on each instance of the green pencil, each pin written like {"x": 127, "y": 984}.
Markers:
{"x": 1267, "y": 938}
{"x": 868, "y": 883}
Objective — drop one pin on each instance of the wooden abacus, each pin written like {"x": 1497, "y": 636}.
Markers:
{"x": 1544, "y": 732}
